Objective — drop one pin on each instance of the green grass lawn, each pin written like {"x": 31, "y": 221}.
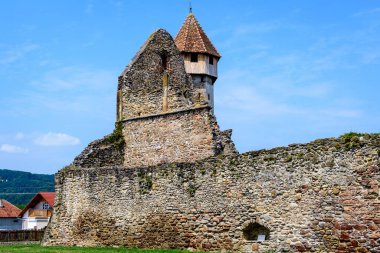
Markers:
{"x": 35, "y": 248}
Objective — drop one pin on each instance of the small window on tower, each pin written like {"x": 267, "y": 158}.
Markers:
{"x": 211, "y": 60}
{"x": 194, "y": 57}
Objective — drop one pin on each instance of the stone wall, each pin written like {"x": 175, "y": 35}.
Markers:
{"x": 141, "y": 89}
{"x": 108, "y": 151}
{"x": 317, "y": 197}
{"x": 182, "y": 136}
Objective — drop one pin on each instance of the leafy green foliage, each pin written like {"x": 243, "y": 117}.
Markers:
{"x": 351, "y": 140}
{"x": 117, "y": 136}
{"x": 19, "y": 187}
{"x": 348, "y": 136}
{"x": 145, "y": 182}
{"x": 352, "y": 135}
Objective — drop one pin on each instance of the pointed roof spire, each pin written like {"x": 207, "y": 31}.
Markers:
{"x": 190, "y": 7}
{"x": 192, "y": 39}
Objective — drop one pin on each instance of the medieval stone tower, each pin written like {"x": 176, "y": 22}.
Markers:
{"x": 167, "y": 177}
{"x": 201, "y": 59}
{"x": 165, "y": 103}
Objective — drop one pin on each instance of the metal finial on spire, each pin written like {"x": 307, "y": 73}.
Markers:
{"x": 190, "y": 7}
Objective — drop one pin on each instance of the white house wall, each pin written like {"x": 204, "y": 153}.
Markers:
{"x": 10, "y": 224}
{"x": 35, "y": 223}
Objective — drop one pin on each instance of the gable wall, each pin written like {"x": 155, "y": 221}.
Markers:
{"x": 141, "y": 87}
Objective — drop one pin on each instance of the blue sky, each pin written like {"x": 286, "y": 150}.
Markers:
{"x": 291, "y": 71}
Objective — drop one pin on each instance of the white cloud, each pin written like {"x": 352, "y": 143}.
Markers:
{"x": 248, "y": 99}
{"x": 68, "y": 90}
{"x": 89, "y": 7}
{"x": 342, "y": 113}
{"x": 246, "y": 29}
{"x": 17, "y": 53}
{"x": 7, "y": 148}
{"x": 75, "y": 78}
{"x": 366, "y": 12}
{"x": 281, "y": 95}
{"x": 56, "y": 139}
{"x": 19, "y": 136}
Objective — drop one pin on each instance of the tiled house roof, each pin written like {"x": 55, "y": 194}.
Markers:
{"x": 41, "y": 196}
{"x": 7, "y": 210}
{"x": 192, "y": 39}
{"x": 49, "y": 197}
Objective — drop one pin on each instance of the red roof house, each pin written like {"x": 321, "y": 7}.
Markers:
{"x": 9, "y": 216}
{"x": 37, "y": 212}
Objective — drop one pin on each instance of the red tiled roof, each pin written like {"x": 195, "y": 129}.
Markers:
{"x": 192, "y": 39}
{"x": 41, "y": 196}
{"x": 49, "y": 197}
{"x": 7, "y": 210}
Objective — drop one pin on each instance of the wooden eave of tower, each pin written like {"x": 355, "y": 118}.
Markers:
{"x": 192, "y": 39}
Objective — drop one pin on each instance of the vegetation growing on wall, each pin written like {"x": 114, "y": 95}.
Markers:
{"x": 352, "y": 140}
{"x": 145, "y": 182}
{"x": 349, "y": 136}
{"x": 116, "y": 137}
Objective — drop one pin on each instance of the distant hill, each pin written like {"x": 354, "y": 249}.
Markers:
{"x": 19, "y": 187}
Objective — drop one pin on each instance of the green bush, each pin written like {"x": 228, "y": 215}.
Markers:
{"x": 117, "y": 136}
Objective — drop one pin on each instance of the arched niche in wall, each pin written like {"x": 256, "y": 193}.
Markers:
{"x": 164, "y": 61}
{"x": 256, "y": 232}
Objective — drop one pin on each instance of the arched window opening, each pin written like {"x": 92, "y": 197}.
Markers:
{"x": 256, "y": 232}
{"x": 164, "y": 62}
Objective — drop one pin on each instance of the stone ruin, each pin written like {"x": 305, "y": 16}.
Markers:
{"x": 168, "y": 177}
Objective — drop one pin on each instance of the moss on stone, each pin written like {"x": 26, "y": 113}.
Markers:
{"x": 145, "y": 182}
{"x": 337, "y": 145}
{"x": 68, "y": 168}
{"x": 289, "y": 158}
{"x": 191, "y": 190}
{"x": 269, "y": 158}
{"x": 352, "y": 136}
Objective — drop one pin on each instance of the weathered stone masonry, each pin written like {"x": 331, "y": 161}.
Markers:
{"x": 167, "y": 177}
{"x": 159, "y": 119}
{"x": 183, "y": 136}
{"x": 141, "y": 87}
{"x": 316, "y": 197}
